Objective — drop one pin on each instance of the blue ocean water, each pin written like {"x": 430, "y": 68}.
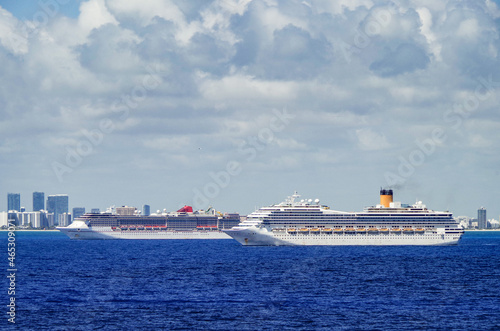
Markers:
{"x": 218, "y": 284}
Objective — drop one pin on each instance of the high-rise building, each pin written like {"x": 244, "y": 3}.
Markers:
{"x": 64, "y": 219}
{"x": 34, "y": 219}
{"x": 48, "y": 220}
{"x": 4, "y": 219}
{"x": 78, "y": 212}
{"x": 481, "y": 218}
{"x": 12, "y": 215}
{"x": 14, "y": 201}
{"x": 146, "y": 210}
{"x": 57, "y": 204}
{"x": 125, "y": 211}
{"x": 38, "y": 219}
{"x": 29, "y": 219}
{"x": 38, "y": 201}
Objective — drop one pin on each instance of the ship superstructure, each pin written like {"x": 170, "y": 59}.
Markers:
{"x": 182, "y": 224}
{"x": 307, "y": 222}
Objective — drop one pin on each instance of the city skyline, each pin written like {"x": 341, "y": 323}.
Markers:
{"x": 147, "y": 209}
{"x": 39, "y": 200}
{"x": 237, "y": 104}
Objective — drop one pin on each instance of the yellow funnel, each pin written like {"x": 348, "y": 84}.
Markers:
{"x": 385, "y": 197}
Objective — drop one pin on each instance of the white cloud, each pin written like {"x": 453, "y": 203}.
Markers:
{"x": 111, "y": 49}
{"x": 143, "y": 13}
{"x": 371, "y": 141}
{"x": 247, "y": 87}
{"x": 94, "y": 14}
{"x": 427, "y": 31}
{"x": 12, "y": 35}
{"x": 339, "y": 7}
{"x": 145, "y": 10}
{"x": 468, "y": 29}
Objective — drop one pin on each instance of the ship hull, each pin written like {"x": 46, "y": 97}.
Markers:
{"x": 108, "y": 233}
{"x": 263, "y": 237}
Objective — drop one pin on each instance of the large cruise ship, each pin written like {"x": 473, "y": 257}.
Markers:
{"x": 182, "y": 224}
{"x": 307, "y": 222}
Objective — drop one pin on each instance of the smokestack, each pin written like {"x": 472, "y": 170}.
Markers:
{"x": 385, "y": 197}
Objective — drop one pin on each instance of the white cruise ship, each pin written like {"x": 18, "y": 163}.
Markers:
{"x": 182, "y": 224}
{"x": 304, "y": 222}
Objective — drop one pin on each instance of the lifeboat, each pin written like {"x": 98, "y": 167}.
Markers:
{"x": 326, "y": 230}
{"x": 292, "y": 230}
{"x": 408, "y": 230}
{"x": 304, "y": 230}
{"x": 373, "y": 230}
{"x": 396, "y": 230}
{"x": 339, "y": 230}
{"x": 384, "y": 230}
{"x": 361, "y": 230}
{"x": 315, "y": 230}
{"x": 419, "y": 230}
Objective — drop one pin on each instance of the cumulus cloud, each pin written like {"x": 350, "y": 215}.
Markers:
{"x": 94, "y": 14}
{"x": 405, "y": 58}
{"x": 11, "y": 37}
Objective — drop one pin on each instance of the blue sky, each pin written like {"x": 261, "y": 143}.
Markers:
{"x": 28, "y": 8}
{"x": 236, "y": 104}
